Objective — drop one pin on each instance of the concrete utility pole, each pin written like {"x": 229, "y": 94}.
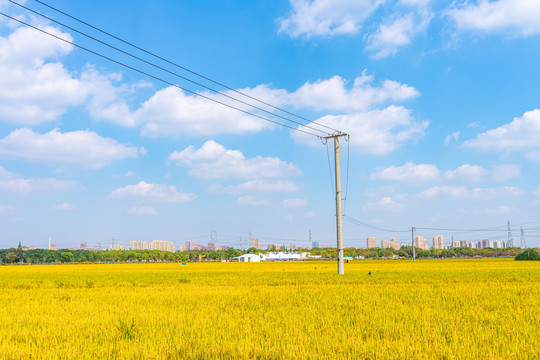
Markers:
{"x": 413, "y": 251}
{"x": 339, "y": 219}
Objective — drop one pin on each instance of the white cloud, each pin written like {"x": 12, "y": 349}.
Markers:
{"x": 520, "y": 134}
{"x": 384, "y": 204}
{"x": 171, "y": 112}
{"x": 452, "y": 137}
{"x": 65, "y": 207}
{"x": 376, "y": 132}
{"x": 142, "y": 210}
{"x": 107, "y": 100}
{"x": 397, "y": 33}
{"x": 214, "y": 161}
{"x": 327, "y": 17}
{"x": 85, "y": 148}
{"x": 310, "y": 215}
{"x": 31, "y": 90}
{"x": 13, "y": 182}
{"x": 463, "y": 192}
{"x": 505, "y": 172}
{"x": 248, "y": 200}
{"x": 467, "y": 173}
{"x": 537, "y": 192}
{"x": 258, "y": 185}
{"x": 152, "y": 193}
{"x": 294, "y": 203}
{"x": 516, "y": 17}
{"x": 332, "y": 94}
{"x": 408, "y": 172}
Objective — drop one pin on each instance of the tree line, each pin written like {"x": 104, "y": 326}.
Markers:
{"x": 42, "y": 256}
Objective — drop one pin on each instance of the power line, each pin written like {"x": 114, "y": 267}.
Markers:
{"x": 160, "y": 79}
{"x": 184, "y": 68}
{"x": 168, "y": 71}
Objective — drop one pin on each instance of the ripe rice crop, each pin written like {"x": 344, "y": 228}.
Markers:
{"x": 431, "y": 309}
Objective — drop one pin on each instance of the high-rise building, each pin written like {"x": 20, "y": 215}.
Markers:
{"x": 162, "y": 245}
{"x": 292, "y": 246}
{"x": 384, "y": 244}
{"x": 394, "y": 243}
{"x": 471, "y": 245}
{"x": 486, "y": 244}
{"x": 117, "y": 247}
{"x": 371, "y": 242}
{"x": 196, "y": 246}
{"x": 463, "y": 243}
{"x": 210, "y": 246}
{"x": 438, "y": 242}
{"x": 187, "y": 245}
{"x": 83, "y": 246}
{"x": 254, "y": 242}
{"x": 497, "y": 244}
{"x": 138, "y": 245}
{"x": 420, "y": 243}
{"x": 456, "y": 244}
{"x": 314, "y": 244}
{"x": 274, "y": 247}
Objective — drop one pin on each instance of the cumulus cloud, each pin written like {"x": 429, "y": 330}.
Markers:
{"x": 85, "y": 148}
{"x": 248, "y": 200}
{"x": 408, "y": 172}
{"x": 327, "y": 17}
{"x": 13, "y": 182}
{"x": 294, "y": 203}
{"x": 171, "y": 112}
{"x": 65, "y": 207}
{"x": 33, "y": 91}
{"x": 142, "y": 210}
{"x": 376, "y": 132}
{"x": 520, "y": 134}
{"x": 334, "y": 94}
{"x": 152, "y": 193}
{"x": 214, "y": 161}
{"x": 468, "y": 173}
{"x": 517, "y": 17}
{"x": 452, "y": 137}
{"x": 505, "y": 172}
{"x": 258, "y": 185}
{"x": 398, "y": 32}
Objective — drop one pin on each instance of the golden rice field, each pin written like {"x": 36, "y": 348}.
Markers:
{"x": 432, "y": 309}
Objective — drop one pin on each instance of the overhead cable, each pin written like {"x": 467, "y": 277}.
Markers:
{"x": 160, "y": 79}
{"x": 182, "y": 67}
{"x": 168, "y": 71}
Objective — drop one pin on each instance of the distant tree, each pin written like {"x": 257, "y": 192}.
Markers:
{"x": 530, "y": 254}
{"x": 11, "y": 257}
{"x": 19, "y": 253}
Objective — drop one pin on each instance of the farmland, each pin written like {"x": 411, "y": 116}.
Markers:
{"x": 431, "y": 309}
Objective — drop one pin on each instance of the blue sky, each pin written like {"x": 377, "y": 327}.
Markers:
{"x": 440, "y": 98}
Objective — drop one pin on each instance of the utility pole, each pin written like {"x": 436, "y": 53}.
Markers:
{"x": 522, "y": 243}
{"x": 339, "y": 220}
{"x": 413, "y": 251}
